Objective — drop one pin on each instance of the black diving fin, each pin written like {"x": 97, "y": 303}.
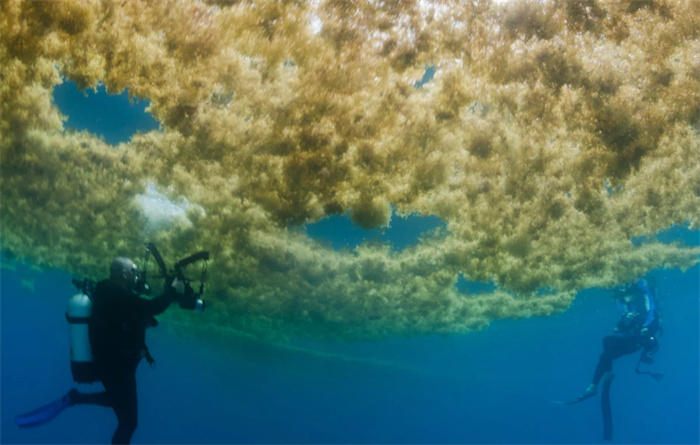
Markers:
{"x": 572, "y": 401}
{"x": 47, "y": 412}
{"x": 581, "y": 398}
{"x": 605, "y": 406}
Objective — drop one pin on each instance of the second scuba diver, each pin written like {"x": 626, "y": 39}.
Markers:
{"x": 637, "y": 329}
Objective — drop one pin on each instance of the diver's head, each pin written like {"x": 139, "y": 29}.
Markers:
{"x": 124, "y": 273}
{"x": 628, "y": 293}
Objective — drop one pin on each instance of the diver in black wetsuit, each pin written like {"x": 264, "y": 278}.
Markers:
{"x": 117, "y": 335}
{"x": 636, "y": 329}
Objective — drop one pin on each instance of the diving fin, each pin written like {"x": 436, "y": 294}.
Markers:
{"x": 47, "y": 412}
{"x": 590, "y": 392}
{"x": 605, "y": 406}
{"x": 578, "y": 399}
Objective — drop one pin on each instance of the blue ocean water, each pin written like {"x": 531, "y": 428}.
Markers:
{"x": 113, "y": 117}
{"x": 492, "y": 386}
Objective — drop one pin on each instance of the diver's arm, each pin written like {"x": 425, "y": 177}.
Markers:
{"x": 155, "y": 306}
{"x": 627, "y": 322}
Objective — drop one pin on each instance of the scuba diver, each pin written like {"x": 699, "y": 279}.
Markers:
{"x": 117, "y": 332}
{"x": 637, "y": 329}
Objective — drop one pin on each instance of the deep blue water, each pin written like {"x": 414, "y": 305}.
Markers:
{"x": 492, "y": 386}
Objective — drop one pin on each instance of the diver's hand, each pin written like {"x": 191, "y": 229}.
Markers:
{"x": 179, "y": 286}
{"x": 629, "y": 320}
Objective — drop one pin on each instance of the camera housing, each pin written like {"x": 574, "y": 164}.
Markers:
{"x": 190, "y": 300}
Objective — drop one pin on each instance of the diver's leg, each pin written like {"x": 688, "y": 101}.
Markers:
{"x": 122, "y": 393}
{"x": 614, "y": 347}
{"x": 604, "y": 365}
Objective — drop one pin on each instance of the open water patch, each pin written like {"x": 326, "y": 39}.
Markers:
{"x": 675, "y": 233}
{"x": 340, "y": 232}
{"x": 114, "y": 117}
{"x": 468, "y": 287}
{"x": 428, "y": 75}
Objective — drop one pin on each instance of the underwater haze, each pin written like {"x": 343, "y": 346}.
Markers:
{"x": 416, "y": 211}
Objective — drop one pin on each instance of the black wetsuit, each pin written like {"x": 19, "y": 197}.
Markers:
{"x": 117, "y": 334}
{"x": 630, "y": 335}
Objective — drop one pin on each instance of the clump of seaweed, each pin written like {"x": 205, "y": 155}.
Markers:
{"x": 551, "y": 135}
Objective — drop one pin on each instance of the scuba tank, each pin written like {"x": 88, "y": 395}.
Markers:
{"x": 82, "y": 363}
{"x": 650, "y": 344}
